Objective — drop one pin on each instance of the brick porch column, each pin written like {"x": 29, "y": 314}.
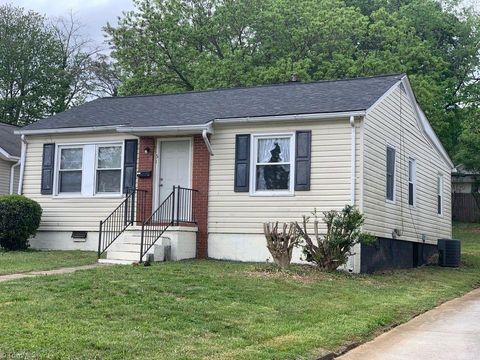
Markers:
{"x": 201, "y": 165}
{"x": 145, "y": 163}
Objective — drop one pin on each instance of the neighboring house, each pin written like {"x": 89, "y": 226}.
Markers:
{"x": 465, "y": 195}
{"x": 465, "y": 181}
{"x": 10, "y": 148}
{"x": 251, "y": 155}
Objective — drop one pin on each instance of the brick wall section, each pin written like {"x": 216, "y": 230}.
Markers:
{"x": 145, "y": 163}
{"x": 201, "y": 166}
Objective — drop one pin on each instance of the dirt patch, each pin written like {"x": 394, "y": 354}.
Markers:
{"x": 301, "y": 273}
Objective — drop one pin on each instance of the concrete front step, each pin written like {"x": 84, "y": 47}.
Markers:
{"x": 126, "y": 249}
{"x": 116, "y": 262}
{"x": 130, "y": 247}
{"x": 123, "y": 255}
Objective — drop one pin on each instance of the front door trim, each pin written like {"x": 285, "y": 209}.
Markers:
{"x": 157, "y": 175}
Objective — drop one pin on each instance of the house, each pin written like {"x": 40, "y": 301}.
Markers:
{"x": 465, "y": 181}
{"x": 10, "y": 148}
{"x": 208, "y": 168}
{"x": 465, "y": 195}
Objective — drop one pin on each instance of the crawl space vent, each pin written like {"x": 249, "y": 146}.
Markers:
{"x": 79, "y": 235}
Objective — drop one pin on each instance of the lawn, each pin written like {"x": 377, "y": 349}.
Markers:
{"x": 217, "y": 310}
{"x": 24, "y": 261}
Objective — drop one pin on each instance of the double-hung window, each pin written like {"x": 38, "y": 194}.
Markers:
{"x": 412, "y": 182}
{"x": 70, "y": 170}
{"x": 89, "y": 169}
{"x": 109, "y": 169}
{"x": 390, "y": 175}
{"x": 440, "y": 195}
{"x": 273, "y": 164}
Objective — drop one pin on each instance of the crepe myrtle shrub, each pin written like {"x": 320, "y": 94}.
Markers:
{"x": 19, "y": 219}
{"x": 280, "y": 242}
{"x": 330, "y": 250}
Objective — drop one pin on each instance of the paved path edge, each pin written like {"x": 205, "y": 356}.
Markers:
{"x": 58, "y": 271}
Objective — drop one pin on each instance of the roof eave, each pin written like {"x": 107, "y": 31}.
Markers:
{"x": 167, "y": 129}
{"x": 5, "y": 155}
{"x": 197, "y": 128}
{"x": 311, "y": 116}
{"x": 75, "y": 130}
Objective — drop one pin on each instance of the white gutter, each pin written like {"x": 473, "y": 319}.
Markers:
{"x": 168, "y": 128}
{"x": 313, "y": 116}
{"x": 68, "y": 130}
{"x": 22, "y": 164}
{"x": 5, "y": 155}
{"x": 12, "y": 176}
{"x": 353, "y": 159}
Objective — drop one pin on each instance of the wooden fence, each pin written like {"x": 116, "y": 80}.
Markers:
{"x": 466, "y": 207}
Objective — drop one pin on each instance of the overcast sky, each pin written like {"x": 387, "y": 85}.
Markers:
{"x": 93, "y": 14}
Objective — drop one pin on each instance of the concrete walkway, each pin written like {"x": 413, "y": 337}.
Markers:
{"x": 450, "y": 331}
{"x": 59, "y": 271}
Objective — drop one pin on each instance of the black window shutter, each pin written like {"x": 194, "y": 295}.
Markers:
{"x": 130, "y": 165}
{"x": 303, "y": 153}
{"x": 390, "y": 173}
{"x": 242, "y": 163}
{"x": 48, "y": 166}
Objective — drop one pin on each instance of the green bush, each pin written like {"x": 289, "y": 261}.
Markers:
{"x": 330, "y": 250}
{"x": 19, "y": 219}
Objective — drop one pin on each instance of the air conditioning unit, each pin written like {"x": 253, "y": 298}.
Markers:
{"x": 449, "y": 252}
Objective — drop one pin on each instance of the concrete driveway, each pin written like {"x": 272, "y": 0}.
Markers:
{"x": 450, "y": 331}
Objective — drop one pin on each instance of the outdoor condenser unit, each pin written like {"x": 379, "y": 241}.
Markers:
{"x": 449, "y": 252}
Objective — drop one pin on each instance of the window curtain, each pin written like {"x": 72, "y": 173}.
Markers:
{"x": 268, "y": 150}
{"x": 273, "y": 150}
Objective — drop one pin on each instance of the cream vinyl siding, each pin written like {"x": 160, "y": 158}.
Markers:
{"x": 16, "y": 179}
{"x": 242, "y": 213}
{"x": 382, "y": 126}
{"x": 5, "y": 167}
{"x": 66, "y": 213}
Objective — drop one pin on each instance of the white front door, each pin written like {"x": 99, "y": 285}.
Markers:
{"x": 174, "y": 166}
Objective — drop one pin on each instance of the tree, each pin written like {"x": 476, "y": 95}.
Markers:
{"x": 28, "y": 63}
{"x": 106, "y": 79}
{"x": 177, "y": 45}
{"x": 76, "y": 76}
{"x": 47, "y": 66}
{"x": 469, "y": 142}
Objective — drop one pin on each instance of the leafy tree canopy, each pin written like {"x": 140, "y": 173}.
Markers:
{"x": 178, "y": 45}
{"x": 46, "y": 66}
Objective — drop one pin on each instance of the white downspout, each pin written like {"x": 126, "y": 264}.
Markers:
{"x": 351, "y": 265}
{"x": 353, "y": 160}
{"x": 207, "y": 141}
{"x": 22, "y": 164}
{"x": 12, "y": 176}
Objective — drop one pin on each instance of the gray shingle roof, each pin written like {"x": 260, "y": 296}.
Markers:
{"x": 8, "y": 141}
{"x": 200, "y": 107}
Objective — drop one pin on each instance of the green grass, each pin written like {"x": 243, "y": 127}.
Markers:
{"x": 217, "y": 310}
{"x": 23, "y": 261}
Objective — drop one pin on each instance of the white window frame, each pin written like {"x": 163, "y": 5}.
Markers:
{"x": 253, "y": 164}
{"x": 391, "y": 201}
{"x": 89, "y": 165}
{"x": 97, "y": 147}
{"x": 413, "y": 181}
{"x": 58, "y": 170}
{"x": 439, "y": 202}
